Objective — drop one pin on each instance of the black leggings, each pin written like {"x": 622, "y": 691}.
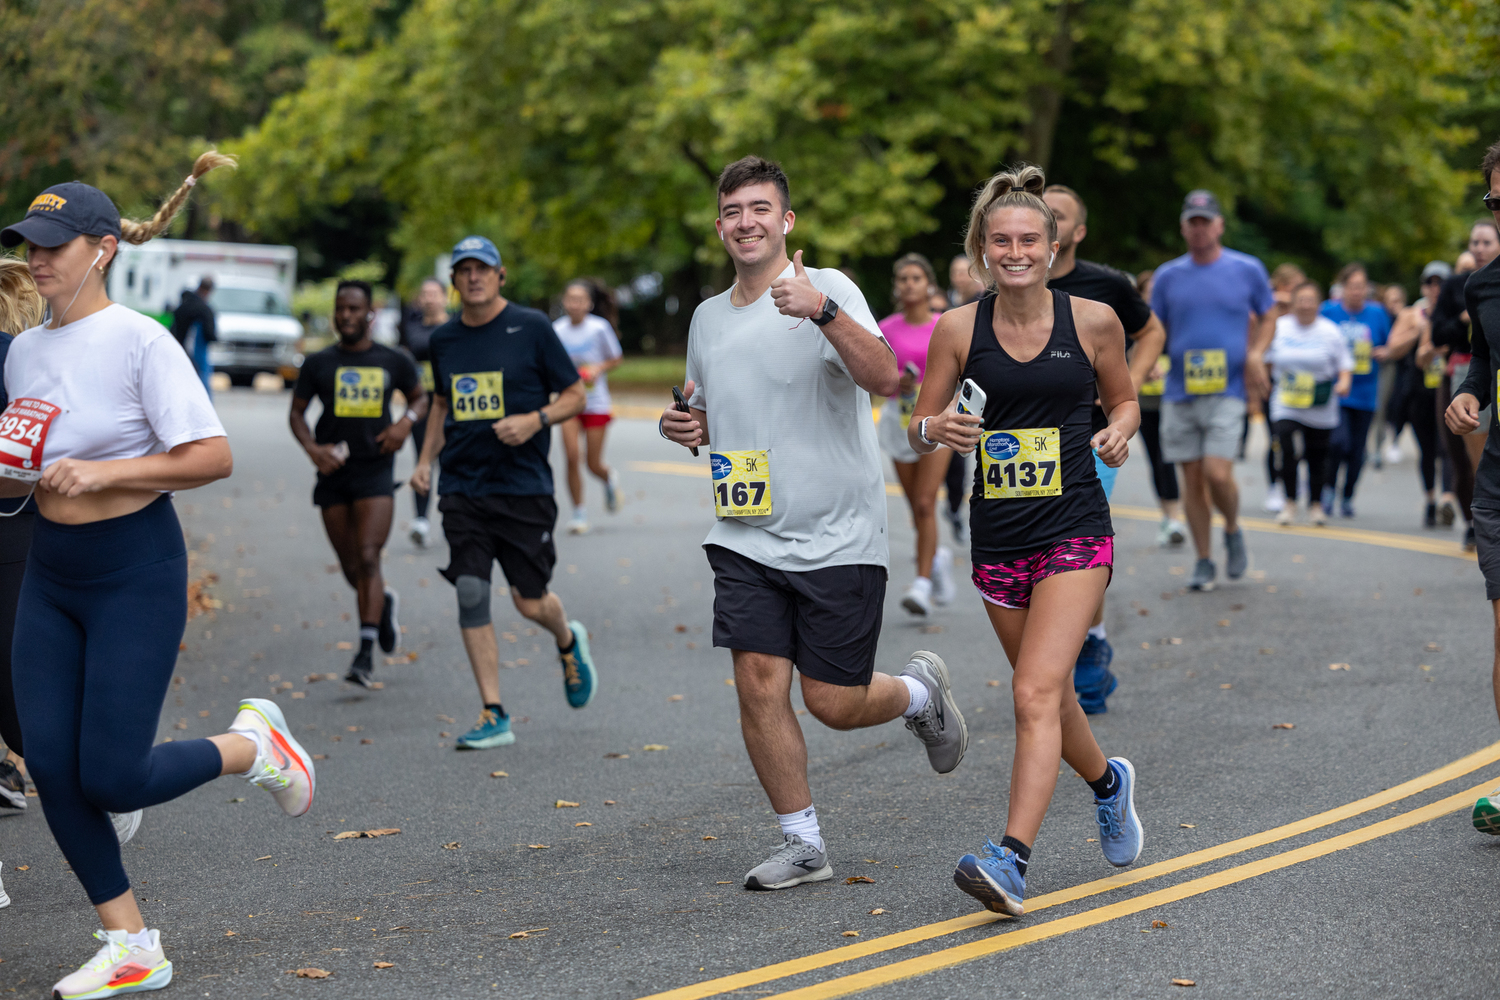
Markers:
{"x": 1457, "y": 453}
{"x": 1163, "y": 474}
{"x": 955, "y": 482}
{"x": 418, "y": 435}
{"x": 15, "y": 542}
{"x": 1419, "y": 407}
{"x": 1314, "y": 453}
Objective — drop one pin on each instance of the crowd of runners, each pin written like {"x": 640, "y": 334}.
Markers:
{"x": 1018, "y": 390}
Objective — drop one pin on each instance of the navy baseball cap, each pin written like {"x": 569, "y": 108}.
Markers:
{"x": 477, "y": 248}
{"x": 64, "y": 212}
{"x": 1201, "y": 204}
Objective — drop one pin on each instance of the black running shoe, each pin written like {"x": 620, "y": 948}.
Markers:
{"x": 1469, "y": 545}
{"x": 12, "y": 786}
{"x": 1429, "y": 517}
{"x": 361, "y": 671}
{"x": 390, "y": 629}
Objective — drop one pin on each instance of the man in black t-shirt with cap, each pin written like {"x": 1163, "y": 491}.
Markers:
{"x": 1092, "y": 679}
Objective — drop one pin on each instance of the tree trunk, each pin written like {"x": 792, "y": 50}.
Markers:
{"x": 1045, "y": 98}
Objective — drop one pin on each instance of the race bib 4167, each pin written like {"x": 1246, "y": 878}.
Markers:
{"x": 742, "y": 483}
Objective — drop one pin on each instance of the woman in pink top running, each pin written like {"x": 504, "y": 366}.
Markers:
{"x": 908, "y": 332}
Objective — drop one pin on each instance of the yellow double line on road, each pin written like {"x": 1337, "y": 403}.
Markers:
{"x": 1383, "y": 539}
{"x": 947, "y": 957}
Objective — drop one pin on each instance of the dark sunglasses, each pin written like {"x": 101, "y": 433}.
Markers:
{"x": 1491, "y": 202}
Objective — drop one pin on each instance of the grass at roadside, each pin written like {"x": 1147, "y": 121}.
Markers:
{"x": 648, "y": 370}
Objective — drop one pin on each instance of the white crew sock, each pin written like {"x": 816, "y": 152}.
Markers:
{"x": 260, "y": 750}
{"x": 918, "y": 696}
{"x": 1097, "y": 631}
{"x": 140, "y": 938}
{"x": 804, "y": 824}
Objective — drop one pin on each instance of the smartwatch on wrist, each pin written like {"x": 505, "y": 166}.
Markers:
{"x": 830, "y": 310}
{"x": 546, "y": 421}
{"x": 922, "y": 431}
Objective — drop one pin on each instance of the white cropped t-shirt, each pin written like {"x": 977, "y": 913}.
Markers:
{"x": 124, "y": 387}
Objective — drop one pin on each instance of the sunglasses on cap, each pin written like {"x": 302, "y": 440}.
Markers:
{"x": 1491, "y": 202}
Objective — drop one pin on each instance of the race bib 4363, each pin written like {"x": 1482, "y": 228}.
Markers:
{"x": 742, "y": 483}
{"x": 23, "y": 435}
{"x": 358, "y": 392}
{"x": 479, "y": 396}
{"x": 1021, "y": 463}
{"x": 1205, "y": 373}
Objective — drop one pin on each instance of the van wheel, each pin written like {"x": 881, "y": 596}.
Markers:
{"x": 241, "y": 379}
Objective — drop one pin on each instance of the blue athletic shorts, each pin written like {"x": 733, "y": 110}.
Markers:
{"x": 1106, "y": 476}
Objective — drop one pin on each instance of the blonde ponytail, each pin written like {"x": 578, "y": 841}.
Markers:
{"x": 134, "y": 231}
{"x": 21, "y": 306}
{"x": 1018, "y": 187}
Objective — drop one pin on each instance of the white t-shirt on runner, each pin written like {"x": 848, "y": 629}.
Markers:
{"x": 590, "y": 343}
{"x": 124, "y": 386}
{"x": 1319, "y": 351}
{"x": 771, "y": 383}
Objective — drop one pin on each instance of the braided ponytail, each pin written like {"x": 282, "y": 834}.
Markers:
{"x": 1018, "y": 187}
{"x": 135, "y": 231}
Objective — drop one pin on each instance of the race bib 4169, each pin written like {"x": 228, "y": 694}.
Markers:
{"x": 479, "y": 396}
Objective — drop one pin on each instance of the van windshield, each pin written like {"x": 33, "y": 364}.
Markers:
{"x": 247, "y": 300}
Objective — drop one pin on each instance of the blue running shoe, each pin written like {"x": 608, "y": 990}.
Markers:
{"x": 579, "y": 677}
{"x": 1346, "y": 507}
{"x": 1092, "y": 680}
{"x": 993, "y": 879}
{"x": 1120, "y": 833}
{"x": 490, "y": 731}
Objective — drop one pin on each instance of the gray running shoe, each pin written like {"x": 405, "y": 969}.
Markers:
{"x": 1235, "y": 560}
{"x": 939, "y": 724}
{"x": 12, "y": 786}
{"x": 1203, "y": 575}
{"x": 795, "y": 863}
{"x": 125, "y": 825}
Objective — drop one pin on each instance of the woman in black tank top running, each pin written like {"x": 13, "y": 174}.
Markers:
{"x": 1039, "y": 521}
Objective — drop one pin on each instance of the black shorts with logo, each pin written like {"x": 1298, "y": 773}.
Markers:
{"x": 355, "y": 480}
{"x": 826, "y": 621}
{"x": 515, "y": 530}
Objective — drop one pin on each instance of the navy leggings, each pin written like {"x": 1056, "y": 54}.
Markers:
{"x": 101, "y": 614}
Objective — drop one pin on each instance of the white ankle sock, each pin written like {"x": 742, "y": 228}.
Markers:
{"x": 918, "y": 696}
{"x": 260, "y": 749}
{"x": 140, "y": 938}
{"x": 804, "y": 824}
{"x": 1097, "y": 631}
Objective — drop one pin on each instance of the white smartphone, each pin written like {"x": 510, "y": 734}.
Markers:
{"x": 971, "y": 398}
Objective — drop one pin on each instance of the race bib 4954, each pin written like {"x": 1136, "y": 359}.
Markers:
{"x": 23, "y": 436}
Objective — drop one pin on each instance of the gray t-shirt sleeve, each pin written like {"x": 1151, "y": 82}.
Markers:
{"x": 837, "y": 286}
{"x": 694, "y": 372}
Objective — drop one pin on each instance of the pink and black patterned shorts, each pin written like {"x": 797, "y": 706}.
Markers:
{"x": 1009, "y": 584}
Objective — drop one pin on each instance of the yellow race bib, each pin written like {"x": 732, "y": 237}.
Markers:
{"x": 1432, "y": 375}
{"x": 1157, "y": 386}
{"x": 1296, "y": 390}
{"x": 1205, "y": 373}
{"x": 908, "y": 406}
{"x": 742, "y": 483}
{"x": 1021, "y": 463}
{"x": 479, "y": 396}
{"x": 424, "y": 375}
{"x": 1361, "y": 357}
{"x": 358, "y": 392}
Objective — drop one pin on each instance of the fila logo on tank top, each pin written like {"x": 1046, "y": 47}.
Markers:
{"x": 1034, "y": 482}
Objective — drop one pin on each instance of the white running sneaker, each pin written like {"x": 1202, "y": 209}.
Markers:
{"x": 1275, "y": 499}
{"x": 1284, "y": 518}
{"x": 282, "y": 767}
{"x": 612, "y": 492}
{"x": 420, "y": 529}
{"x": 578, "y": 524}
{"x": 942, "y": 576}
{"x": 918, "y": 597}
{"x": 118, "y": 967}
{"x": 1392, "y": 453}
{"x": 4, "y": 899}
{"x": 125, "y": 825}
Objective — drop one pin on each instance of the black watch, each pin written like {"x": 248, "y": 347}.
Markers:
{"x": 546, "y": 422}
{"x": 830, "y": 310}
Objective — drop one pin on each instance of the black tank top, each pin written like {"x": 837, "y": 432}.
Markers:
{"x": 1037, "y": 467}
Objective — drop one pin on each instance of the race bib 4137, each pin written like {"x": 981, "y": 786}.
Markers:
{"x": 1021, "y": 463}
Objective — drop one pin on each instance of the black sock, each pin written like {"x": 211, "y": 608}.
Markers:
{"x": 499, "y": 712}
{"x": 1107, "y": 784}
{"x": 564, "y": 650}
{"x": 1023, "y": 853}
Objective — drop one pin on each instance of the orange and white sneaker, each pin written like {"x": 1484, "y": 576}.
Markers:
{"x": 282, "y": 767}
{"x": 121, "y": 966}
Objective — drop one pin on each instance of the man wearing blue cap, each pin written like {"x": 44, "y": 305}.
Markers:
{"x": 494, "y": 368}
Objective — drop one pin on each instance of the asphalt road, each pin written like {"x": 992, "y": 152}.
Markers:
{"x": 636, "y": 889}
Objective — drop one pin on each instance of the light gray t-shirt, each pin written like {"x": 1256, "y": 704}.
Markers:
{"x": 769, "y": 383}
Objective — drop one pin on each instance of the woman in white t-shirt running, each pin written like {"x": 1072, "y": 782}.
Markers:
{"x": 106, "y": 417}
{"x": 588, "y": 334}
{"x": 1311, "y": 369}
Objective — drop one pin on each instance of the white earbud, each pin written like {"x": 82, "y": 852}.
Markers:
{"x": 786, "y": 228}
{"x": 1051, "y": 259}
{"x": 986, "y": 259}
{"x": 96, "y": 257}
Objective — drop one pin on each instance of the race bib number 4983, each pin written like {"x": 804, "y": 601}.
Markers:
{"x": 23, "y": 435}
{"x": 1021, "y": 463}
{"x": 358, "y": 392}
{"x": 742, "y": 483}
{"x": 479, "y": 396}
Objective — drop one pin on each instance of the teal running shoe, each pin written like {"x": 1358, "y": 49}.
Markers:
{"x": 579, "y": 677}
{"x": 1486, "y": 815}
{"x": 1120, "y": 834}
{"x": 490, "y": 731}
{"x": 993, "y": 879}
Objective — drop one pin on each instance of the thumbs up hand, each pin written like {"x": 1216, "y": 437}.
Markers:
{"x": 795, "y": 295}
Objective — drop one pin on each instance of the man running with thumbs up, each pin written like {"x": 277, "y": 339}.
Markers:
{"x": 779, "y": 374}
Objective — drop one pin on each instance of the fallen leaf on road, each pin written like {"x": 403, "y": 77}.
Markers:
{"x": 680, "y": 628}
{"x": 1183, "y": 982}
{"x": 23, "y": 868}
{"x": 583, "y": 824}
{"x": 858, "y": 878}
{"x": 1338, "y": 666}
{"x": 447, "y": 718}
{"x": 385, "y": 965}
{"x": 1426, "y": 666}
{"x": 413, "y": 656}
{"x": 674, "y": 697}
{"x": 237, "y": 800}
{"x": 1177, "y": 642}
{"x": 609, "y": 802}
{"x": 993, "y": 684}
{"x": 1223, "y": 623}
{"x": 316, "y": 756}
{"x": 617, "y": 756}
{"x": 343, "y": 645}
{"x": 1225, "y": 687}
{"x": 1188, "y": 826}
{"x": 1417, "y": 592}
{"x": 203, "y": 714}
{"x": 313, "y": 973}
{"x": 266, "y": 858}
{"x": 499, "y": 774}
{"x": 710, "y": 838}
{"x": 1143, "y": 612}
{"x": 180, "y": 724}
{"x": 444, "y": 736}
{"x": 367, "y": 741}
{"x": 519, "y": 934}
{"x": 353, "y": 729}
{"x": 729, "y": 681}
{"x": 230, "y": 933}
{"x": 374, "y": 686}
{"x": 538, "y": 847}
{"x": 851, "y": 934}
{"x": 654, "y": 746}
{"x": 931, "y": 628}
{"x": 1266, "y": 651}
{"x": 565, "y": 804}
{"x": 876, "y": 912}
{"x": 1159, "y": 924}
{"x": 1144, "y": 645}
{"x": 355, "y": 834}
{"x": 299, "y": 694}
{"x": 1284, "y": 725}
{"x": 1433, "y": 647}
{"x": 723, "y": 883}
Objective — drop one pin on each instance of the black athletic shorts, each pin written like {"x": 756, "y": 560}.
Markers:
{"x": 355, "y": 480}
{"x": 1487, "y": 542}
{"x": 515, "y": 530}
{"x": 826, "y": 621}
